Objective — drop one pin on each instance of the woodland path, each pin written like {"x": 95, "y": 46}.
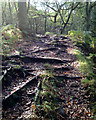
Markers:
{"x": 21, "y": 79}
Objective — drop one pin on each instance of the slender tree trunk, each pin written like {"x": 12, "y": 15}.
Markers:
{"x": 87, "y": 16}
{"x": 30, "y": 23}
{"x": 72, "y": 8}
{"x": 10, "y": 17}
{"x": 3, "y": 20}
{"x": 45, "y": 23}
{"x": 89, "y": 7}
{"x": 28, "y": 6}
{"x": 66, "y": 22}
{"x": 36, "y": 25}
{"x": 16, "y": 13}
{"x": 61, "y": 17}
{"x": 15, "y": 7}
{"x": 45, "y": 26}
{"x": 55, "y": 17}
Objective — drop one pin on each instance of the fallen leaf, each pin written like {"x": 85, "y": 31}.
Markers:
{"x": 34, "y": 107}
{"x": 69, "y": 71}
{"x": 69, "y": 103}
{"x": 66, "y": 73}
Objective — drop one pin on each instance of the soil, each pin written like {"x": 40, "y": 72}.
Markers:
{"x": 21, "y": 75}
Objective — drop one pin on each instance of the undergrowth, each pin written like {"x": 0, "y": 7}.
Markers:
{"x": 47, "y": 104}
{"x": 10, "y": 36}
{"x": 86, "y": 55}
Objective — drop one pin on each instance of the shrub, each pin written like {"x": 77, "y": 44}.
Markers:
{"x": 10, "y": 35}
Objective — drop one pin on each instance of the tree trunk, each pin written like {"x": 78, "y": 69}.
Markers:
{"x": 15, "y": 7}
{"x": 66, "y": 22}
{"x": 10, "y": 17}
{"x": 87, "y": 16}
{"x": 28, "y": 6}
{"x": 55, "y": 17}
{"x": 45, "y": 22}
{"x": 72, "y": 8}
{"x": 36, "y": 25}
{"x": 3, "y": 12}
{"x": 22, "y": 17}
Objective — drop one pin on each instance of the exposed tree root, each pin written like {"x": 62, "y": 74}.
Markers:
{"x": 20, "y": 87}
{"x": 65, "y": 77}
{"x": 45, "y": 49}
{"x": 27, "y": 59}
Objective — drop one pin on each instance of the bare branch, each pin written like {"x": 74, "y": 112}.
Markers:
{"x": 91, "y": 6}
{"x": 51, "y": 7}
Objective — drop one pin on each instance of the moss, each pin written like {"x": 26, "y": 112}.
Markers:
{"x": 10, "y": 35}
{"x": 47, "y": 95}
{"x": 49, "y": 33}
{"x": 87, "y": 66}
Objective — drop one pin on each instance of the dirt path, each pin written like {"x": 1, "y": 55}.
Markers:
{"x": 21, "y": 79}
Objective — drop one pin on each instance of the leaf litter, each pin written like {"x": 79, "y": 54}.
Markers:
{"x": 75, "y": 104}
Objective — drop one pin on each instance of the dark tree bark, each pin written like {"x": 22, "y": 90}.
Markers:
{"x": 36, "y": 25}
{"x": 45, "y": 26}
{"x": 58, "y": 11}
{"x": 89, "y": 6}
{"x": 55, "y": 17}
{"x": 87, "y": 16}
{"x": 28, "y": 6}
{"x": 10, "y": 17}
{"x": 22, "y": 17}
{"x": 15, "y": 7}
{"x": 65, "y": 24}
{"x": 3, "y": 15}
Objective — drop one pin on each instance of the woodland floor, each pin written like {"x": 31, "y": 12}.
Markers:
{"x": 21, "y": 76}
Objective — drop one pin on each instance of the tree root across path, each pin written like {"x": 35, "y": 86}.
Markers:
{"x": 20, "y": 87}
{"x": 45, "y": 49}
{"x": 28, "y": 59}
{"x": 49, "y": 87}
